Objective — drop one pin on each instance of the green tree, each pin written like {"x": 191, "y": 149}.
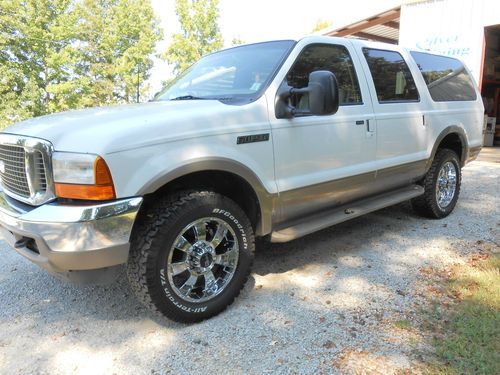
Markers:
{"x": 36, "y": 44}
{"x": 119, "y": 37}
{"x": 57, "y": 55}
{"x": 321, "y": 24}
{"x": 237, "y": 41}
{"x": 199, "y": 34}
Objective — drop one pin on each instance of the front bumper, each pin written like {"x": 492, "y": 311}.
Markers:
{"x": 65, "y": 238}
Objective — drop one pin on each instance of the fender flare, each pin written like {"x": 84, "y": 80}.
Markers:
{"x": 453, "y": 129}
{"x": 266, "y": 199}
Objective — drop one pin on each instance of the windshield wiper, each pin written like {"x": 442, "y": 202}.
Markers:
{"x": 188, "y": 97}
{"x": 192, "y": 97}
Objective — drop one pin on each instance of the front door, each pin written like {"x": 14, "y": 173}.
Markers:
{"x": 323, "y": 161}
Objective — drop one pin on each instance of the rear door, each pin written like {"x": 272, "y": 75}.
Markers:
{"x": 399, "y": 113}
{"x": 323, "y": 161}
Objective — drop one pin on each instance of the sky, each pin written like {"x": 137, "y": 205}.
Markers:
{"x": 261, "y": 20}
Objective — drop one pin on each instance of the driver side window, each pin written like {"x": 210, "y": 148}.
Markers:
{"x": 334, "y": 58}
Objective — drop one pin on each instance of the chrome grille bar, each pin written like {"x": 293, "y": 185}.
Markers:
{"x": 26, "y": 168}
{"x": 13, "y": 173}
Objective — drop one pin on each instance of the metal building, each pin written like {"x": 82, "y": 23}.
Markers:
{"x": 467, "y": 29}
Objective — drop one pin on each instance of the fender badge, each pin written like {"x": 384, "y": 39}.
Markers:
{"x": 252, "y": 138}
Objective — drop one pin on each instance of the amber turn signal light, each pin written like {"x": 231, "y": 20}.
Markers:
{"x": 102, "y": 189}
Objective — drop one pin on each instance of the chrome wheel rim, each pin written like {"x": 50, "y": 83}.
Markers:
{"x": 446, "y": 185}
{"x": 203, "y": 259}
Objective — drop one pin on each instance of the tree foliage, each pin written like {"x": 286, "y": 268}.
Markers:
{"x": 321, "y": 24}
{"x": 237, "y": 41}
{"x": 199, "y": 34}
{"x": 57, "y": 55}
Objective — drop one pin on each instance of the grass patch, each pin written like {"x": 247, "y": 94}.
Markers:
{"x": 467, "y": 334}
{"x": 403, "y": 324}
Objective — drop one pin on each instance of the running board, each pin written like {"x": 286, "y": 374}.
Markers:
{"x": 346, "y": 212}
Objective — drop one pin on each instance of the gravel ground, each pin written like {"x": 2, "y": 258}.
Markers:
{"x": 326, "y": 303}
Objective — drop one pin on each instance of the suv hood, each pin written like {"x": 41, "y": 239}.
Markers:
{"x": 112, "y": 129}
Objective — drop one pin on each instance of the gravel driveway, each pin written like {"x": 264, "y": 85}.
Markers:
{"x": 329, "y": 302}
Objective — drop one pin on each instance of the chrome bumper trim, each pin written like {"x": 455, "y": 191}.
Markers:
{"x": 71, "y": 237}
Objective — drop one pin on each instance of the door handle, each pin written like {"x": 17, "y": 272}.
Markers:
{"x": 360, "y": 122}
{"x": 368, "y": 129}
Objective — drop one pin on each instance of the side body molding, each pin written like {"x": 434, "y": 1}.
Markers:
{"x": 267, "y": 201}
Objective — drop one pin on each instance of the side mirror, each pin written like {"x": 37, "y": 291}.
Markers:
{"x": 323, "y": 92}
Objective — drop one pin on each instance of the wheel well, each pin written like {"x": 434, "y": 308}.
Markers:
{"x": 453, "y": 142}
{"x": 225, "y": 183}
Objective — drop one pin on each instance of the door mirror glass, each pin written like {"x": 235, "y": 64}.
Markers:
{"x": 323, "y": 93}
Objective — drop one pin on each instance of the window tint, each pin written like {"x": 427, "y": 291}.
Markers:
{"x": 391, "y": 76}
{"x": 334, "y": 58}
{"x": 445, "y": 77}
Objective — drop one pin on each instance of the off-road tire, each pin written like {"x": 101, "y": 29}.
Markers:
{"x": 152, "y": 241}
{"x": 427, "y": 205}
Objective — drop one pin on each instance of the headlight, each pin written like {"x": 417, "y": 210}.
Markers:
{"x": 73, "y": 168}
{"x": 82, "y": 176}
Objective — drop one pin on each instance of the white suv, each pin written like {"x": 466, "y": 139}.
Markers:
{"x": 273, "y": 140}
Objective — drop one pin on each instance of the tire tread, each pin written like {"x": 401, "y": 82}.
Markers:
{"x": 138, "y": 273}
{"x": 426, "y": 205}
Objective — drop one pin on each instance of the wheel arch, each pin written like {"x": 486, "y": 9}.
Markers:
{"x": 226, "y": 176}
{"x": 454, "y": 138}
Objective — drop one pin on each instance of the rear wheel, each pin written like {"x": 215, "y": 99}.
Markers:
{"x": 442, "y": 186}
{"x": 191, "y": 256}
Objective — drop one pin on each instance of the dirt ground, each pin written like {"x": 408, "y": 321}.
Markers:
{"x": 342, "y": 300}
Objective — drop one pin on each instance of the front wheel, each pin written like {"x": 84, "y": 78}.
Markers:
{"x": 442, "y": 186}
{"x": 191, "y": 256}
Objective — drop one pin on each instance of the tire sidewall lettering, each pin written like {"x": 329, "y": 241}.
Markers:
{"x": 174, "y": 301}
{"x": 239, "y": 226}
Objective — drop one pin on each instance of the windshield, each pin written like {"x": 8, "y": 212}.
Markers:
{"x": 236, "y": 73}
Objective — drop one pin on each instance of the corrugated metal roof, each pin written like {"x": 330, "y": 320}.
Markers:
{"x": 384, "y": 31}
{"x": 383, "y": 27}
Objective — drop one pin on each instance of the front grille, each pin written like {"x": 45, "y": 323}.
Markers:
{"x": 39, "y": 170}
{"x": 25, "y": 168}
{"x": 13, "y": 174}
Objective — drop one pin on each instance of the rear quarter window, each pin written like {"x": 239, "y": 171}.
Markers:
{"x": 446, "y": 78}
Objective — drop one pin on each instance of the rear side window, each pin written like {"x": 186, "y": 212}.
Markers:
{"x": 391, "y": 76}
{"x": 446, "y": 78}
